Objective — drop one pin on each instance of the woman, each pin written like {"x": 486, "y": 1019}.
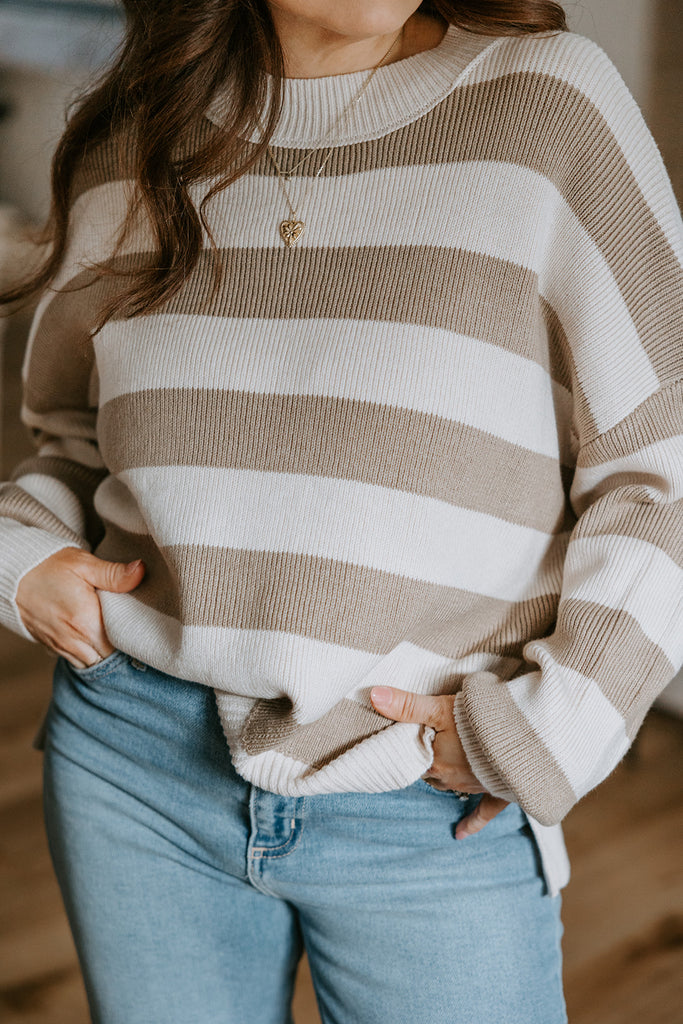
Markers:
{"x": 356, "y": 394}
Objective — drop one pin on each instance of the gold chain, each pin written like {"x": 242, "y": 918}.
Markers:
{"x": 291, "y": 230}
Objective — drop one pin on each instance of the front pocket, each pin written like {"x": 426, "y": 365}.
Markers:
{"x": 100, "y": 668}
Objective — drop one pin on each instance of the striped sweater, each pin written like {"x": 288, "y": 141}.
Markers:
{"x": 435, "y": 445}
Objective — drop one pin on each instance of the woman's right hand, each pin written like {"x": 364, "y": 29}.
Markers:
{"x": 59, "y": 605}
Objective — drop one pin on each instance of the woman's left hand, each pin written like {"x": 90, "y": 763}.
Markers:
{"x": 450, "y": 768}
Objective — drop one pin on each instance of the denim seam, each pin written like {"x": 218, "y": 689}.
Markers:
{"x": 292, "y": 842}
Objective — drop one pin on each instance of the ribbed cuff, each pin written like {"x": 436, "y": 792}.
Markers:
{"x": 513, "y": 760}
{"x": 481, "y": 767}
{"x": 23, "y": 547}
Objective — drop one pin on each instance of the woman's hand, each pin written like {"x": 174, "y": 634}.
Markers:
{"x": 450, "y": 768}
{"x": 59, "y": 606}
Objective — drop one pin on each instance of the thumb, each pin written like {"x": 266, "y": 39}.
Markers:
{"x": 403, "y": 706}
{"x": 487, "y": 808}
{"x": 117, "y": 577}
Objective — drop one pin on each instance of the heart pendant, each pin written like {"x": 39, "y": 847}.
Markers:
{"x": 290, "y": 231}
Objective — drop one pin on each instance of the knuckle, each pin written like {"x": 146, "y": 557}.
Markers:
{"x": 62, "y": 623}
{"x": 108, "y": 576}
{"x": 75, "y": 558}
{"x": 408, "y": 705}
{"x": 441, "y": 715}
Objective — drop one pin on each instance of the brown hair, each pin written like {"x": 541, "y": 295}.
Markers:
{"x": 171, "y": 62}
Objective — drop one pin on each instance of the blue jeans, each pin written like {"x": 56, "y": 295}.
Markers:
{"x": 191, "y": 894}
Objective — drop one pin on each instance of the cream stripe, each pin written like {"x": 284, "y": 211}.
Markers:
{"x": 378, "y": 208}
{"x": 626, "y": 574}
{"x": 582, "y": 291}
{"x": 581, "y": 64}
{"x": 393, "y": 531}
{"x": 260, "y": 663}
{"x": 569, "y": 713}
{"x": 115, "y": 503}
{"x": 370, "y": 361}
{"x": 419, "y": 670}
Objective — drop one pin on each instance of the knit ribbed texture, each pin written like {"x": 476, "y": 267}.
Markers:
{"x": 437, "y": 445}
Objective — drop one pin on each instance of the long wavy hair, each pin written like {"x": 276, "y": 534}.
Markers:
{"x": 173, "y": 58}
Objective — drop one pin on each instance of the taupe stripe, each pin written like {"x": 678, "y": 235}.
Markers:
{"x": 515, "y": 751}
{"x": 114, "y": 159}
{"x": 555, "y": 109}
{"x": 160, "y": 588}
{"x": 451, "y": 289}
{"x": 81, "y": 480}
{"x": 658, "y": 418}
{"x": 391, "y": 447}
{"x": 562, "y": 367}
{"x": 332, "y": 601}
{"x": 492, "y": 118}
{"x": 62, "y": 356}
{"x": 17, "y": 504}
{"x": 111, "y": 159}
{"x": 271, "y": 726}
{"x": 631, "y": 512}
{"x": 629, "y": 671}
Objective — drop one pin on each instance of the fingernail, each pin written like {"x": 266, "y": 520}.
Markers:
{"x": 380, "y": 695}
{"x": 133, "y": 567}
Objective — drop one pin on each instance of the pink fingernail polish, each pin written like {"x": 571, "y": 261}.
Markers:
{"x": 380, "y": 694}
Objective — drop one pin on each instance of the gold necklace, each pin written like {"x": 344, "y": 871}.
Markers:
{"x": 292, "y": 229}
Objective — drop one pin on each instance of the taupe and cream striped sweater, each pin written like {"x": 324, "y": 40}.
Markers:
{"x": 435, "y": 445}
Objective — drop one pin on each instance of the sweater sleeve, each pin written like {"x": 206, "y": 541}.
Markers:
{"x": 613, "y": 276}
{"x": 48, "y": 503}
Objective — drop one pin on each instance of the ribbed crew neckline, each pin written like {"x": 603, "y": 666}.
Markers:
{"x": 398, "y": 94}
